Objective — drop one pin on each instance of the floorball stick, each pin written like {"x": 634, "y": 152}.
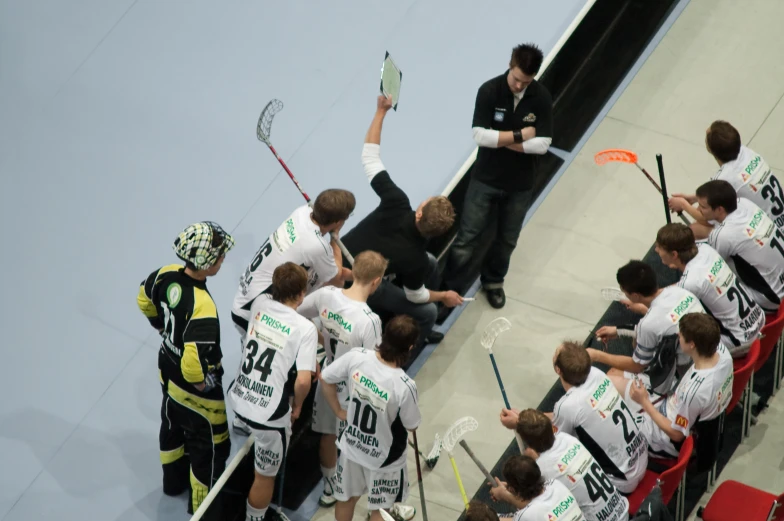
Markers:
{"x": 451, "y": 438}
{"x": 432, "y": 458}
{"x": 263, "y": 130}
{"x": 419, "y": 477}
{"x": 627, "y": 156}
{"x": 613, "y": 294}
{"x": 489, "y": 336}
{"x": 471, "y": 455}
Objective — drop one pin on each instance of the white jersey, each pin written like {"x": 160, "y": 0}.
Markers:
{"x": 569, "y": 462}
{"x": 702, "y": 395}
{"x": 383, "y": 407}
{"x": 555, "y": 503}
{"x": 279, "y": 340}
{"x": 297, "y": 240}
{"x": 752, "y": 179}
{"x": 657, "y": 345}
{"x": 754, "y": 248}
{"x": 596, "y": 414}
{"x": 724, "y": 297}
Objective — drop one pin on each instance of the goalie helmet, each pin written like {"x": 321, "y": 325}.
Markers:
{"x": 202, "y": 244}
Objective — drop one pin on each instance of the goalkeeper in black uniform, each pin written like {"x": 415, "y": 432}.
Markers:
{"x": 194, "y": 436}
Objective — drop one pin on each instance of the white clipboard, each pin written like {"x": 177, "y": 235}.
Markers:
{"x": 391, "y": 78}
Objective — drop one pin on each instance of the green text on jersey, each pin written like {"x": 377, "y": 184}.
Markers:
{"x": 329, "y": 315}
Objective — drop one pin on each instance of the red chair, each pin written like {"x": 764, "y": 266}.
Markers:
{"x": 741, "y": 384}
{"x": 769, "y": 341}
{"x": 671, "y": 480}
{"x": 734, "y": 500}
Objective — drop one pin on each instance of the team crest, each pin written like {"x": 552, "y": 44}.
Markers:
{"x": 499, "y": 116}
{"x": 530, "y": 118}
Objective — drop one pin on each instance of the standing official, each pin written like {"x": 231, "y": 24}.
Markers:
{"x": 512, "y": 125}
{"x": 194, "y": 436}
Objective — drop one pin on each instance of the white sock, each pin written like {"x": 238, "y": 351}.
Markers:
{"x": 329, "y": 477}
{"x": 254, "y": 514}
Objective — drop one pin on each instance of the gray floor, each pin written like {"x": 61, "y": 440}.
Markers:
{"x": 123, "y": 121}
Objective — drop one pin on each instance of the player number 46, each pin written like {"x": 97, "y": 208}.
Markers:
{"x": 598, "y": 484}
{"x": 263, "y": 364}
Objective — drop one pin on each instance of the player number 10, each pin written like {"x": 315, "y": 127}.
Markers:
{"x": 369, "y": 417}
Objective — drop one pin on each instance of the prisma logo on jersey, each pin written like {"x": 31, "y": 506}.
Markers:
{"x": 681, "y": 308}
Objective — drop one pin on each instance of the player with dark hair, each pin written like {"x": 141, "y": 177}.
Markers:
{"x": 747, "y": 239}
{"x": 593, "y": 411}
{"x": 563, "y": 458}
{"x": 709, "y": 277}
{"x": 478, "y": 511}
{"x": 346, "y": 322}
{"x": 383, "y": 407}
{"x": 194, "y": 437}
{"x": 744, "y": 169}
{"x": 702, "y": 394}
{"x": 534, "y": 498}
{"x": 656, "y": 356}
{"x": 512, "y": 125}
{"x": 278, "y": 363}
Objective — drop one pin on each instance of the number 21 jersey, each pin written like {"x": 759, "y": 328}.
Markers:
{"x": 383, "y": 406}
{"x": 279, "y": 341}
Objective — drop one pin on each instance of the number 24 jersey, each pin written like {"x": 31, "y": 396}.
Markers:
{"x": 383, "y": 406}
{"x": 279, "y": 342}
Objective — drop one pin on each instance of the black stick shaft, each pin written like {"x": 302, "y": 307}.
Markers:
{"x": 478, "y": 463}
{"x": 419, "y": 478}
{"x": 663, "y": 188}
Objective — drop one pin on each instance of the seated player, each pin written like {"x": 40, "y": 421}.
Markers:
{"x": 278, "y": 340}
{"x": 702, "y": 394}
{"x": 383, "y": 406}
{"x": 346, "y": 322}
{"x": 300, "y": 239}
{"x": 748, "y": 240}
{"x": 563, "y": 458}
{"x": 655, "y": 357}
{"x": 534, "y": 498}
{"x": 710, "y": 278}
{"x": 594, "y": 412}
{"x": 747, "y": 172}
{"x": 478, "y": 511}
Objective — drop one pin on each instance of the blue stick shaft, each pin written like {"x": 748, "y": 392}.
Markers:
{"x": 500, "y": 383}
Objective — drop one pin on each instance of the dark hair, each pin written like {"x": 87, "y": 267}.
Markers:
{"x": 574, "y": 362}
{"x": 528, "y": 57}
{"x": 703, "y": 330}
{"x": 399, "y": 335}
{"x": 723, "y": 141}
{"x": 637, "y": 277}
{"x": 536, "y": 430}
{"x": 719, "y": 194}
{"x": 523, "y": 477}
{"x": 478, "y": 511}
{"x": 678, "y": 238}
{"x": 333, "y": 205}
{"x": 289, "y": 280}
{"x": 438, "y": 216}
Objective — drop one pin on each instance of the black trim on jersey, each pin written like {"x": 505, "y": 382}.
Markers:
{"x": 241, "y": 322}
{"x": 399, "y": 438}
{"x": 751, "y": 277}
{"x": 664, "y": 359}
{"x": 722, "y": 330}
{"x": 399, "y": 497}
{"x": 601, "y": 457}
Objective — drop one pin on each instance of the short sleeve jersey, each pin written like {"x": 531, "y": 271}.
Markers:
{"x": 701, "y": 395}
{"x": 752, "y": 178}
{"x": 657, "y": 345}
{"x": 754, "y": 248}
{"x": 345, "y": 324}
{"x": 297, "y": 240}
{"x": 279, "y": 342}
{"x": 571, "y": 463}
{"x": 722, "y": 295}
{"x": 556, "y": 503}
{"x": 383, "y": 407}
{"x": 597, "y": 415}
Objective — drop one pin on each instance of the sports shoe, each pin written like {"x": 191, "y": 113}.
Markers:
{"x": 327, "y": 498}
{"x": 276, "y": 515}
{"x": 240, "y": 427}
{"x": 400, "y": 512}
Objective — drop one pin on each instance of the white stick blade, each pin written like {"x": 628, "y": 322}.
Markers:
{"x": 612, "y": 294}
{"x": 457, "y": 430}
{"x": 493, "y": 329}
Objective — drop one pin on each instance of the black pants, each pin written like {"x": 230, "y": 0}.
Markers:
{"x": 194, "y": 442}
{"x": 480, "y": 200}
{"x": 391, "y": 299}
